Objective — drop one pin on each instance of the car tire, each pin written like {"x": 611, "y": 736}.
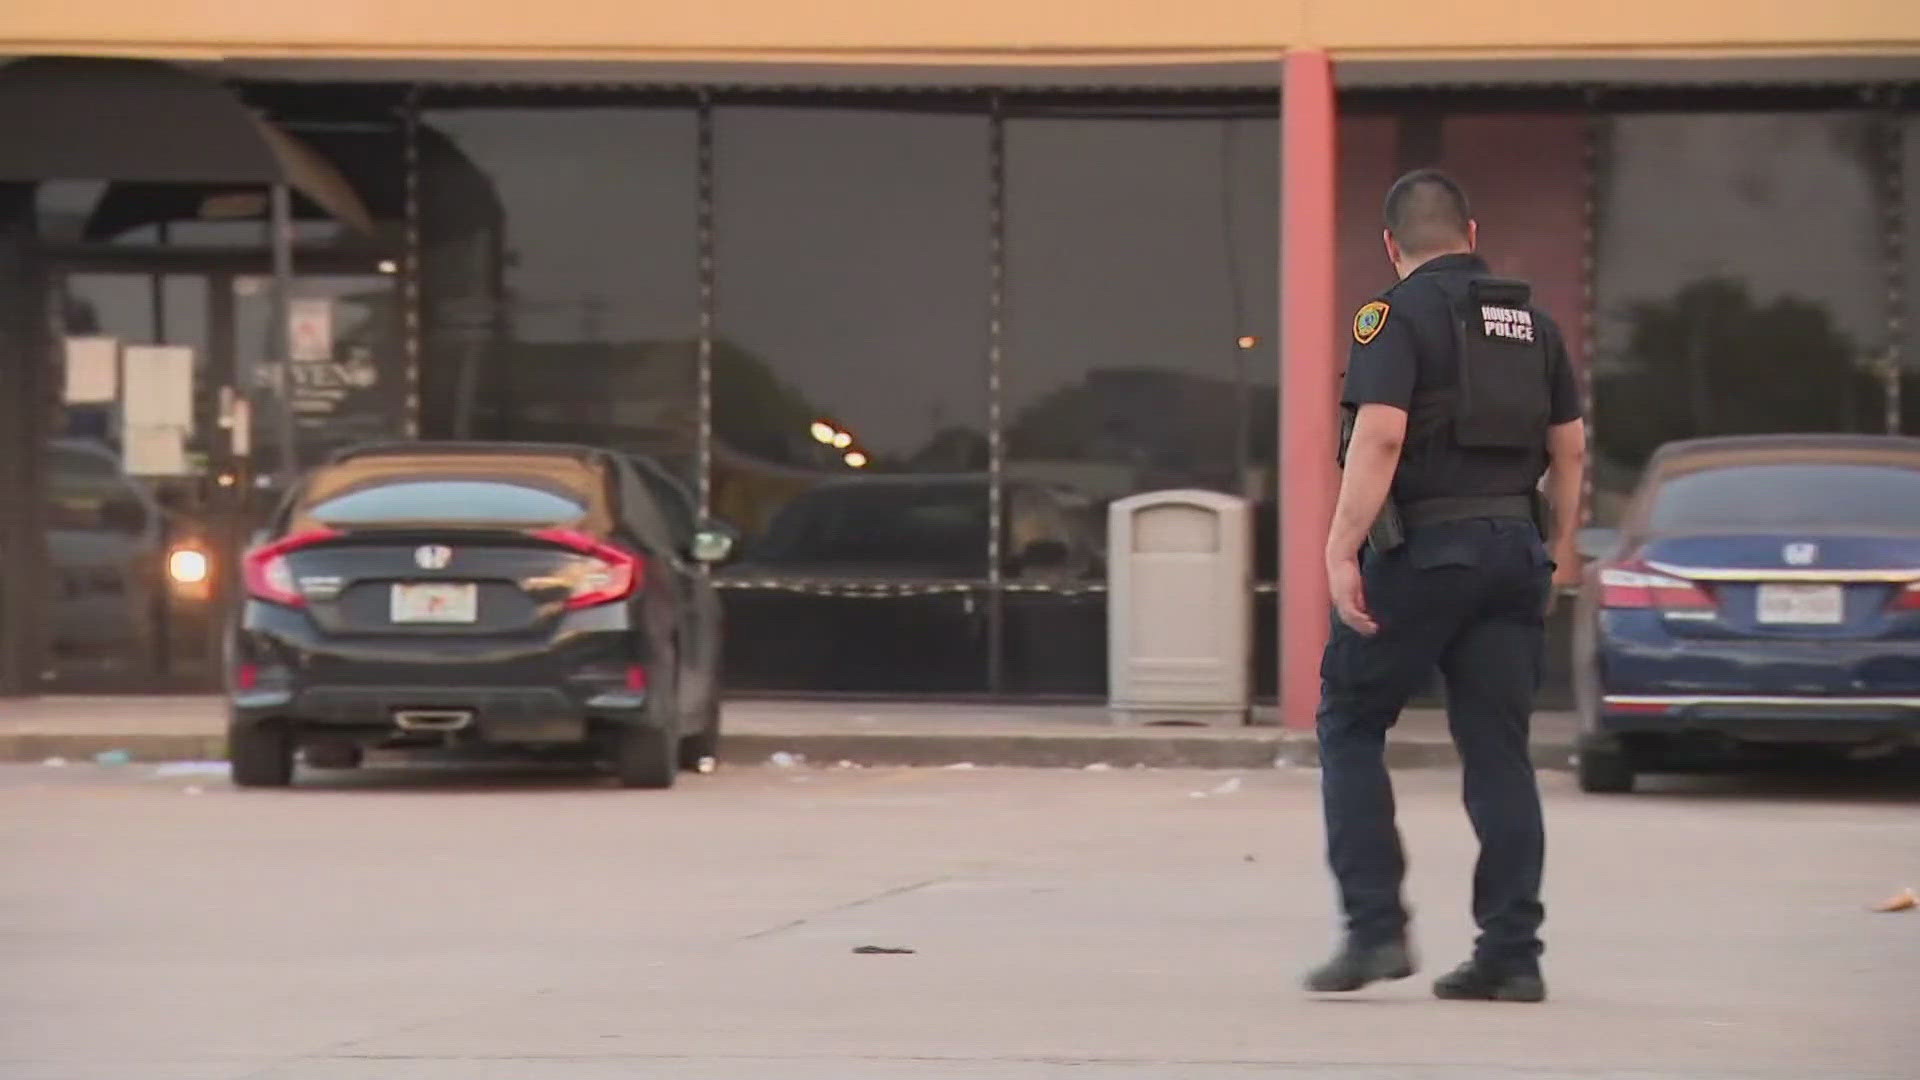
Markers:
{"x": 697, "y": 748}
{"x": 260, "y": 755}
{"x": 704, "y": 743}
{"x": 645, "y": 756}
{"x": 1604, "y": 768}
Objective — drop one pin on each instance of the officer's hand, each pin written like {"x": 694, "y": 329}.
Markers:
{"x": 1349, "y": 596}
{"x": 1566, "y": 568}
{"x": 1566, "y": 574}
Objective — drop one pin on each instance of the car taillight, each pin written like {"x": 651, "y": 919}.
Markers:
{"x": 610, "y": 574}
{"x": 265, "y": 569}
{"x": 1635, "y": 586}
{"x": 1908, "y": 599}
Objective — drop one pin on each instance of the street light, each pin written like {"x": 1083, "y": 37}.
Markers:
{"x": 842, "y": 440}
{"x": 824, "y": 432}
{"x": 855, "y": 459}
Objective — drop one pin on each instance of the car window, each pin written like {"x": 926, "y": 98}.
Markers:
{"x": 674, "y": 501}
{"x": 462, "y": 501}
{"x": 86, "y": 492}
{"x": 1804, "y": 496}
{"x": 641, "y": 512}
{"x": 66, "y": 461}
{"x": 106, "y": 509}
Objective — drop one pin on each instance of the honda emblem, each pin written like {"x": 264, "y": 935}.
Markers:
{"x": 433, "y": 557}
{"x": 1800, "y": 554}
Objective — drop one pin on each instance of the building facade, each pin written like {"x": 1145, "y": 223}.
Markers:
{"x": 905, "y": 296}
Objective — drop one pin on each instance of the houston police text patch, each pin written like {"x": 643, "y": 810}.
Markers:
{"x": 1513, "y": 324}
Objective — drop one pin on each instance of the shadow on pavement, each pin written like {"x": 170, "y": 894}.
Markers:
{"x": 434, "y": 776}
{"x": 1890, "y": 780}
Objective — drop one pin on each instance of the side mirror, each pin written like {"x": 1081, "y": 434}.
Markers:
{"x": 712, "y": 545}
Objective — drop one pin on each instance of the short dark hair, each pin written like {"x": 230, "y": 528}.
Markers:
{"x": 1427, "y": 212}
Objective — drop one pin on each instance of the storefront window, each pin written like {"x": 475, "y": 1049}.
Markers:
{"x": 1526, "y": 177}
{"x": 1740, "y": 284}
{"x": 560, "y": 277}
{"x": 1141, "y": 353}
{"x": 1907, "y": 160}
{"x": 130, "y": 476}
{"x": 348, "y": 373}
{"x": 850, "y": 396}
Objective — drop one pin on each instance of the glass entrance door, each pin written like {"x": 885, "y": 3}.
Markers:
{"x": 346, "y": 382}
{"x": 166, "y": 449}
{"x": 139, "y": 482}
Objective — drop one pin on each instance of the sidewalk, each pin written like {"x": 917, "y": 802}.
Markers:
{"x": 820, "y": 733}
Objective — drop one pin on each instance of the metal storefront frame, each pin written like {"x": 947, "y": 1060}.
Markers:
{"x": 996, "y": 359}
{"x": 1595, "y": 102}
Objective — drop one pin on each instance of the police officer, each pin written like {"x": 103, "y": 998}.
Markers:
{"x": 1458, "y": 398}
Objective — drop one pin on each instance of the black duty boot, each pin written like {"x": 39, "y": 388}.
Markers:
{"x": 1473, "y": 982}
{"x": 1358, "y": 965}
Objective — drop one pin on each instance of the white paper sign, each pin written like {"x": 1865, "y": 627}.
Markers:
{"x": 159, "y": 386}
{"x": 154, "y": 450}
{"x": 242, "y": 427}
{"x": 93, "y": 370}
{"x": 310, "y": 330}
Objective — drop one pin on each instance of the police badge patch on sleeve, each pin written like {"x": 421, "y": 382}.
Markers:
{"x": 1368, "y": 321}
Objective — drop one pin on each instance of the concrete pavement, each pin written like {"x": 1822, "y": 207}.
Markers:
{"x": 1116, "y": 925}
{"x": 1056, "y": 736}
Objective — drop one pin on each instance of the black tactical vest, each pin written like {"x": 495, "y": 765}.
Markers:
{"x": 1486, "y": 432}
{"x": 1503, "y": 400}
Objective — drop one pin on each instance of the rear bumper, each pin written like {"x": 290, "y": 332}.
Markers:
{"x": 515, "y": 715}
{"x": 545, "y": 689}
{"x": 1638, "y": 657}
{"x": 1757, "y": 718}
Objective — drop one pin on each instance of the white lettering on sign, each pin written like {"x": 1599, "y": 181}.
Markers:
{"x": 1510, "y": 323}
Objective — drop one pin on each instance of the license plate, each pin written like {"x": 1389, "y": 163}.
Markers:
{"x": 435, "y": 603}
{"x": 1801, "y": 605}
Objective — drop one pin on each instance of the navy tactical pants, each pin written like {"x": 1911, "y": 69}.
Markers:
{"x": 1468, "y": 597}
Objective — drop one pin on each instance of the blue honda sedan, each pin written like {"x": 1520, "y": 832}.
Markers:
{"x": 1762, "y": 595}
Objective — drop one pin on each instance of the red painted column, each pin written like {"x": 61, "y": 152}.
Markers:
{"x": 1309, "y": 364}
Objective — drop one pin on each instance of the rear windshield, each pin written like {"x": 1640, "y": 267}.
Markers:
{"x": 1803, "y": 496}
{"x": 492, "y": 502}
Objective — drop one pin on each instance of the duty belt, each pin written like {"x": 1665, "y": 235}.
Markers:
{"x": 1465, "y": 507}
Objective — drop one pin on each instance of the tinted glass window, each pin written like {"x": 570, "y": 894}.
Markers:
{"x": 675, "y": 502}
{"x": 852, "y": 320}
{"x": 1740, "y": 283}
{"x": 560, "y": 276}
{"x": 1907, "y": 346}
{"x": 939, "y": 529}
{"x": 447, "y": 500}
{"x": 1140, "y": 350}
{"x": 1140, "y": 337}
{"x": 1797, "y": 496}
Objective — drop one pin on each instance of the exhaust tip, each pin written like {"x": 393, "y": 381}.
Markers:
{"x": 432, "y": 719}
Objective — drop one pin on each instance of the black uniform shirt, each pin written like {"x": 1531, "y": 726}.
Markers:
{"x": 1404, "y": 351}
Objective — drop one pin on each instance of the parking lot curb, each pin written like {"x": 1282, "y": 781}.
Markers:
{"x": 897, "y": 749}
{"x": 83, "y": 746}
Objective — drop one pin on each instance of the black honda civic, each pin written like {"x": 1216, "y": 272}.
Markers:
{"x": 483, "y": 596}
